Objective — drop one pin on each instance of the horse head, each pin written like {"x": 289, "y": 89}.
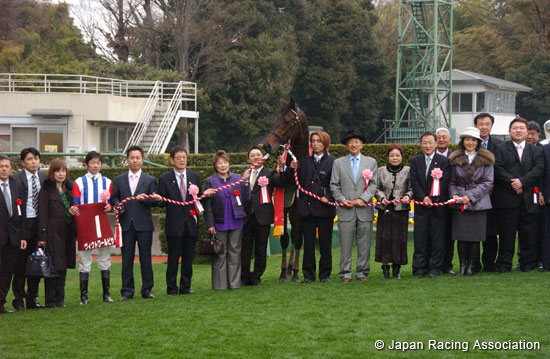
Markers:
{"x": 290, "y": 125}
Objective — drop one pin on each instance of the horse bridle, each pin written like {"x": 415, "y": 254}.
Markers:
{"x": 295, "y": 121}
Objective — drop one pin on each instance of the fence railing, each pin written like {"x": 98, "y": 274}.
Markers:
{"x": 83, "y": 84}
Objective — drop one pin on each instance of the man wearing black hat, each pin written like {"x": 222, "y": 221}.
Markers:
{"x": 353, "y": 183}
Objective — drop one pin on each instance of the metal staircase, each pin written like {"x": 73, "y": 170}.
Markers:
{"x": 160, "y": 116}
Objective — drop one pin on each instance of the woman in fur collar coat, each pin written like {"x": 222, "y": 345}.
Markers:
{"x": 471, "y": 182}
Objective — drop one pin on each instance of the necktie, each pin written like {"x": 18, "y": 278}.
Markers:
{"x": 183, "y": 187}
{"x": 355, "y": 168}
{"x": 253, "y": 178}
{"x": 7, "y": 198}
{"x": 133, "y": 183}
{"x": 520, "y": 151}
{"x": 484, "y": 144}
{"x": 34, "y": 194}
{"x": 428, "y": 161}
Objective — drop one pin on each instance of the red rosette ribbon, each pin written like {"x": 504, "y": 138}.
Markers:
{"x": 19, "y": 202}
{"x": 237, "y": 194}
{"x": 194, "y": 215}
{"x": 437, "y": 174}
{"x": 536, "y": 191}
{"x": 367, "y": 176}
{"x": 263, "y": 182}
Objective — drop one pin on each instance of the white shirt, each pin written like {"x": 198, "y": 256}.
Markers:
{"x": 471, "y": 155}
{"x": 135, "y": 177}
{"x": 318, "y": 157}
{"x": 443, "y": 153}
{"x": 31, "y": 213}
{"x": 520, "y": 152}
{"x": 257, "y": 171}
{"x": 178, "y": 178}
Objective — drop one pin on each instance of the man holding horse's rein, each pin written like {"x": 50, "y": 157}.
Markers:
{"x": 353, "y": 182}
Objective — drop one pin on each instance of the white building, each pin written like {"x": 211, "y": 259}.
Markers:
{"x": 76, "y": 113}
{"x": 474, "y": 93}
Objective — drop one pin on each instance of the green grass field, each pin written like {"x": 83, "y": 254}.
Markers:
{"x": 291, "y": 320}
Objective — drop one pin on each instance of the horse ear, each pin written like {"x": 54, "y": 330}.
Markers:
{"x": 292, "y": 104}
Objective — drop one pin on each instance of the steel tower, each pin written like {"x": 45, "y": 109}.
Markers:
{"x": 422, "y": 95}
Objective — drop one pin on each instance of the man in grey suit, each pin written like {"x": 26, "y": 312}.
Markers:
{"x": 348, "y": 186}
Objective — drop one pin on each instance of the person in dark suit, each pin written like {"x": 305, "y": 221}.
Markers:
{"x": 545, "y": 245}
{"x": 443, "y": 142}
{"x": 519, "y": 167}
{"x": 429, "y": 222}
{"x": 56, "y": 228}
{"x": 259, "y": 217}
{"x": 181, "y": 226}
{"x": 136, "y": 222}
{"x": 29, "y": 181}
{"x": 11, "y": 242}
{"x": 484, "y": 123}
{"x": 314, "y": 172}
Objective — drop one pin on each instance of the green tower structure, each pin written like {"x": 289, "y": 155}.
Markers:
{"x": 422, "y": 95}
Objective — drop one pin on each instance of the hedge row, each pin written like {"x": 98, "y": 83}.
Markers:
{"x": 377, "y": 151}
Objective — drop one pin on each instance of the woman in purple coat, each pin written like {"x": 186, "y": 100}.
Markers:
{"x": 224, "y": 216}
{"x": 471, "y": 184}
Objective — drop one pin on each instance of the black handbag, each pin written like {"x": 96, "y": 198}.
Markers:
{"x": 212, "y": 246}
{"x": 39, "y": 265}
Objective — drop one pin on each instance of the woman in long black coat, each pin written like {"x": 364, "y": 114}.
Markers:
{"x": 57, "y": 229}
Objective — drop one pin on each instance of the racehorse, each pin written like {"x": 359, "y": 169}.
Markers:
{"x": 290, "y": 128}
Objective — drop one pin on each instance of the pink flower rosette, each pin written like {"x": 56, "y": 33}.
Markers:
{"x": 263, "y": 182}
{"x": 367, "y": 176}
{"x": 436, "y": 175}
{"x": 104, "y": 196}
{"x": 194, "y": 191}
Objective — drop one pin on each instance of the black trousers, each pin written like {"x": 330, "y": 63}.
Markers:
{"x": 54, "y": 289}
{"x": 429, "y": 243}
{"x": 447, "y": 263}
{"x": 324, "y": 226}
{"x": 144, "y": 241}
{"x": 512, "y": 221}
{"x": 8, "y": 261}
{"x": 30, "y": 234}
{"x": 184, "y": 248}
{"x": 490, "y": 246}
{"x": 545, "y": 238}
{"x": 257, "y": 235}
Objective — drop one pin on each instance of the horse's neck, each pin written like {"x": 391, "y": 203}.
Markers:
{"x": 300, "y": 145}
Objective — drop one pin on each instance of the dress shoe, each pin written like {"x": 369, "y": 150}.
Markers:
{"x": 147, "y": 295}
{"x": 325, "y": 280}
{"x": 125, "y": 298}
{"x": 433, "y": 274}
{"x": 33, "y": 304}
{"x": 188, "y": 292}
{"x": 19, "y": 307}
{"x": 307, "y": 280}
{"x": 362, "y": 279}
{"x": 172, "y": 294}
{"x": 346, "y": 280}
{"x": 4, "y": 310}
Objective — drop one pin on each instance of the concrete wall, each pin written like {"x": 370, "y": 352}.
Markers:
{"x": 86, "y": 109}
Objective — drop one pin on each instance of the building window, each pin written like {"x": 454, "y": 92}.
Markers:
{"x": 5, "y": 138}
{"x": 23, "y": 137}
{"x": 462, "y": 102}
{"x": 480, "y": 102}
{"x": 498, "y": 102}
{"x": 114, "y": 138}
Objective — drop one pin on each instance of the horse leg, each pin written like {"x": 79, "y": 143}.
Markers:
{"x": 297, "y": 240}
{"x": 284, "y": 245}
